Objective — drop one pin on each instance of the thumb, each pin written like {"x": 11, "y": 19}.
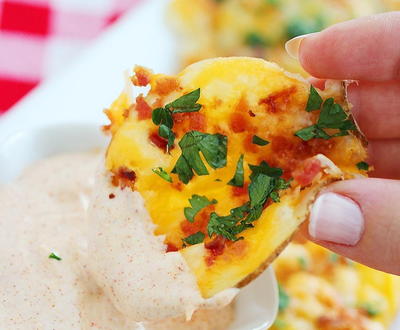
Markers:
{"x": 360, "y": 219}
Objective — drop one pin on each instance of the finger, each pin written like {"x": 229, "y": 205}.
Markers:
{"x": 376, "y": 108}
{"x": 360, "y": 219}
{"x": 365, "y": 49}
{"x": 318, "y": 83}
{"x": 384, "y": 155}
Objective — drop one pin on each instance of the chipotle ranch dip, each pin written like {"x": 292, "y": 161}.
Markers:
{"x": 113, "y": 273}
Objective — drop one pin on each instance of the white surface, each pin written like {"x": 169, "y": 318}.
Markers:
{"x": 64, "y": 113}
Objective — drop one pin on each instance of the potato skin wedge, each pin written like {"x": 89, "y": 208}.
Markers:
{"x": 240, "y": 98}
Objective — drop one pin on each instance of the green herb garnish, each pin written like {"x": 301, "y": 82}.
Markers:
{"x": 238, "y": 179}
{"x": 194, "y": 238}
{"x": 259, "y": 189}
{"x": 303, "y": 263}
{"x": 332, "y": 116}
{"x": 363, "y": 166}
{"x": 212, "y": 146}
{"x": 333, "y": 257}
{"x": 314, "y": 100}
{"x": 254, "y": 39}
{"x": 226, "y": 226}
{"x": 186, "y": 103}
{"x": 280, "y": 324}
{"x": 370, "y": 308}
{"x": 300, "y": 26}
{"x": 259, "y": 141}
{"x": 262, "y": 187}
{"x": 54, "y": 256}
{"x": 197, "y": 204}
{"x": 274, "y": 3}
{"x": 163, "y": 117}
{"x": 162, "y": 174}
{"x": 284, "y": 299}
{"x": 264, "y": 168}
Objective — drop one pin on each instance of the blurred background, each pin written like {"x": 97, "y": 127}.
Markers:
{"x": 39, "y": 39}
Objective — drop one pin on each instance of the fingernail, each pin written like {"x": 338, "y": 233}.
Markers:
{"x": 293, "y": 45}
{"x": 337, "y": 219}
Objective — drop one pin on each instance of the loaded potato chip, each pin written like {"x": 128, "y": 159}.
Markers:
{"x": 226, "y": 158}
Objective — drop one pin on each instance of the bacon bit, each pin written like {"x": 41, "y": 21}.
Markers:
{"x": 142, "y": 76}
{"x": 306, "y": 174}
{"x": 189, "y": 121}
{"x": 123, "y": 178}
{"x": 215, "y": 248}
{"x": 197, "y": 121}
{"x": 251, "y": 113}
{"x": 143, "y": 109}
{"x": 158, "y": 141}
{"x": 111, "y": 196}
{"x": 126, "y": 113}
{"x": 239, "y": 123}
{"x": 200, "y": 223}
{"x": 165, "y": 85}
{"x": 238, "y": 248}
{"x": 240, "y": 191}
{"x": 249, "y": 145}
{"x": 178, "y": 185}
{"x": 343, "y": 320}
{"x": 289, "y": 153}
{"x": 171, "y": 248}
{"x": 278, "y": 101}
{"x": 106, "y": 129}
{"x": 243, "y": 105}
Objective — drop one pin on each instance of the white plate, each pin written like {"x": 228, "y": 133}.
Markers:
{"x": 64, "y": 114}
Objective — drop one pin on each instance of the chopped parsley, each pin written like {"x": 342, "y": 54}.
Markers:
{"x": 274, "y": 3}
{"x": 332, "y": 116}
{"x": 194, "y": 238}
{"x": 226, "y": 226}
{"x": 363, "y": 166}
{"x": 54, "y": 256}
{"x": 300, "y": 26}
{"x": 314, "y": 100}
{"x": 259, "y": 141}
{"x": 265, "y": 182}
{"x": 254, "y": 39}
{"x": 284, "y": 299}
{"x": 238, "y": 179}
{"x": 303, "y": 263}
{"x": 162, "y": 174}
{"x": 212, "y": 146}
{"x": 186, "y": 103}
{"x": 264, "y": 168}
{"x": 259, "y": 189}
{"x": 197, "y": 204}
{"x": 280, "y": 324}
{"x": 370, "y": 308}
{"x": 163, "y": 117}
{"x": 333, "y": 257}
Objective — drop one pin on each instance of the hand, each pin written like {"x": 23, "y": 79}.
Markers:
{"x": 361, "y": 218}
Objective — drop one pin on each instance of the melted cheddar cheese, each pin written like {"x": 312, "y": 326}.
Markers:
{"x": 240, "y": 98}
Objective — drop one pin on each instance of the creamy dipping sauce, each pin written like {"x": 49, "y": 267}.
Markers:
{"x": 94, "y": 286}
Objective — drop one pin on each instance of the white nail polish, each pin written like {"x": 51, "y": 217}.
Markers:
{"x": 293, "y": 45}
{"x": 337, "y": 219}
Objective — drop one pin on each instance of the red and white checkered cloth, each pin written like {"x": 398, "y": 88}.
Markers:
{"x": 39, "y": 37}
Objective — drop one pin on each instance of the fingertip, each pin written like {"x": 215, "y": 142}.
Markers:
{"x": 309, "y": 55}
